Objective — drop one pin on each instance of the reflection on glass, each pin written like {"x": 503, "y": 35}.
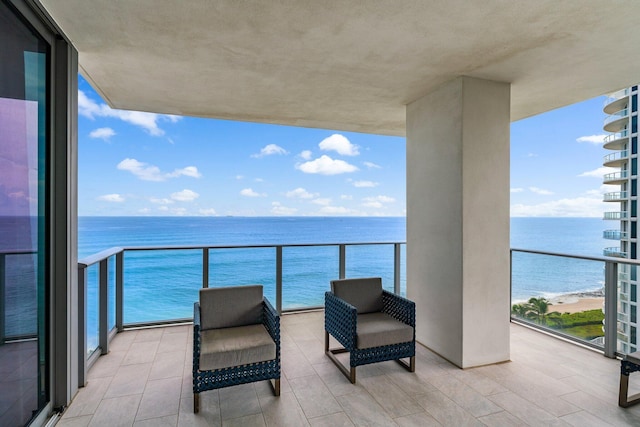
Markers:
{"x": 23, "y": 296}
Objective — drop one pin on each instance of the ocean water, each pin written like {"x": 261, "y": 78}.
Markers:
{"x": 164, "y": 284}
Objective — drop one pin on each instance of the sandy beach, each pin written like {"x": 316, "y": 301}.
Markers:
{"x": 575, "y": 303}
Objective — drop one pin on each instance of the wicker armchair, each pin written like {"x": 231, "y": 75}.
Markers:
{"x": 236, "y": 340}
{"x": 629, "y": 364}
{"x": 372, "y": 324}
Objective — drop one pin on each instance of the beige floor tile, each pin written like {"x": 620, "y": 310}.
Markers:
{"x": 466, "y": 397}
{"x": 445, "y": 410}
{"x": 140, "y": 352}
{"x": 238, "y": 401}
{"x": 160, "y": 398}
{"x": 389, "y": 396}
{"x": 82, "y": 421}
{"x": 209, "y": 414}
{"x": 167, "y": 365}
{"x": 129, "y": 379}
{"x": 116, "y": 412}
{"x": 585, "y": 419}
{"x": 334, "y": 420}
{"x": 363, "y": 410}
{"x": 314, "y": 397}
{"x": 282, "y": 411}
{"x": 522, "y": 408}
{"x": 421, "y": 419}
{"x": 167, "y": 421}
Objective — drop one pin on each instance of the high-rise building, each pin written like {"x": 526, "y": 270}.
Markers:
{"x": 622, "y": 125}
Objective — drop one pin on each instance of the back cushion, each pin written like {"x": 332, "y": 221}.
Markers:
{"x": 364, "y": 294}
{"x": 230, "y": 306}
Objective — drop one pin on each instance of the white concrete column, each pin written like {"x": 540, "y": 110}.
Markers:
{"x": 458, "y": 269}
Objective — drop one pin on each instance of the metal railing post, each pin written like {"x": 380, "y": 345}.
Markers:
{"x": 103, "y": 307}
{"x": 82, "y": 326}
{"x": 205, "y": 267}
{"x": 342, "y": 273}
{"x": 120, "y": 291}
{"x": 3, "y": 270}
{"x": 610, "y": 308}
{"x": 279, "y": 279}
{"x": 396, "y": 268}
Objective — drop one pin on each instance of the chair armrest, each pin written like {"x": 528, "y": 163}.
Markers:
{"x": 271, "y": 321}
{"x": 340, "y": 320}
{"x": 399, "y": 308}
{"x": 196, "y": 337}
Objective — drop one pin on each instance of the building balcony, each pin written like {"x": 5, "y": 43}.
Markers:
{"x": 616, "y": 101}
{"x": 617, "y": 121}
{"x": 616, "y": 215}
{"x": 614, "y": 252}
{"x": 616, "y": 196}
{"x": 617, "y": 140}
{"x": 615, "y": 177}
{"x": 616, "y": 159}
{"x": 615, "y": 235}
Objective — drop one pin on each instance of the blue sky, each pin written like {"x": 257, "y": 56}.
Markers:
{"x": 133, "y": 163}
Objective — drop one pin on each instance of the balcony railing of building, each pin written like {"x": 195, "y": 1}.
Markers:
{"x": 616, "y": 215}
{"x": 614, "y": 252}
{"x": 615, "y": 157}
{"x": 108, "y": 281}
{"x": 622, "y": 93}
{"x": 624, "y": 133}
{"x": 615, "y": 235}
{"x": 615, "y": 196}
{"x": 615, "y": 176}
{"x": 620, "y": 114}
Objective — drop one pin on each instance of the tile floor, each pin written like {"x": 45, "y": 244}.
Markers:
{"x": 145, "y": 380}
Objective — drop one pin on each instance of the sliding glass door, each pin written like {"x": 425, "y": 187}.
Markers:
{"x": 24, "y": 296}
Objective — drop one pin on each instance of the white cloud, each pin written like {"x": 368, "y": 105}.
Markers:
{"x": 207, "y": 212}
{"x": 239, "y": 177}
{"x": 540, "y": 191}
{"x": 191, "y": 171}
{"x": 365, "y": 184}
{"x": 340, "y": 144}
{"x": 179, "y": 211}
{"x": 593, "y": 139}
{"x": 306, "y": 154}
{"x": 259, "y": 180}
{"x": 576, "y": 207}
{"x": 371, "y": 165}
{"x": 300, "y": 193}
{"x": 248, "y": 192}
{"x": 185, "y": 196}
{"x": 322, "y": 201}
{"x": 269, "y": 150}
{"x": 148, "y": 172}
{"x": 147, "y": 121}
{"x": 278, "y": 209}
{"x": 336, "y": 210}
{"x": 116, "y": 198}
{"x": 325, "y": 165}
{"x": 517, "y": 190}
{"x": 346, "y": 197}
{"x": 102, "y": 133}
{"x": 599, "y": 173}
{"x": 377, "y": 202}
{"x": 164, "y": 201}
{"x": 532, "y": 155}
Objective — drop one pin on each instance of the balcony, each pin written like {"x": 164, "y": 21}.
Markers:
{"x": 146, "y": 379}
{"x": 616, "y": 196}
{"x": 615, "y": 177}
{"x": 617, "y": 140}
{"x": 615, "y": 235}
{"x": 617, "y": 121}
{"x": 616, "y": 101}
{"x": 614, "y": 252}
{"x": 616, "y": 215}
{"x": 616, "y": 159}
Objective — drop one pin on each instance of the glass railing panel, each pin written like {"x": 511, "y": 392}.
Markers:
{"x": 403, "y": 270}
{"x": 161, "y": 285}
{"x": 93, "y": 306}
{"x": 559, "y": 293}
{"x": 371, "y": 261}
{"x": 306, "y": 275}
{"x": 20, "y": 296}
{"x": 244, "y": 266}
{"x": 111, "y": 291}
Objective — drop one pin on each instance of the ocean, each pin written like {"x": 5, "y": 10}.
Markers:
{"x": 163, "y": 284}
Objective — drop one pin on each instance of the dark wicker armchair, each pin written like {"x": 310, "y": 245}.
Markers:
{"x": 236, "y": 340}
{"x": 372, "y": 324}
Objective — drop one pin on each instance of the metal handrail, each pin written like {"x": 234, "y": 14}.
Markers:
{"x": 620, "y": 114}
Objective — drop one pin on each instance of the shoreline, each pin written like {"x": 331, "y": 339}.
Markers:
{"x": 577, "y": 302}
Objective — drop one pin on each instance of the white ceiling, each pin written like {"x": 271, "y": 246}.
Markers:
{"x": 345, "y": 64}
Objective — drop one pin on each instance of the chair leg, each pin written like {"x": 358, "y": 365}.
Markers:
{"x": 275, "y": 386}
{"x": 624, "y": 400}
{"x": 196, "y": 403}
{"x": 330, "y": 353}
{"x": 411, "y": 366}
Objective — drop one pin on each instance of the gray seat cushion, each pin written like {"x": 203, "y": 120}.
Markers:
{"x": 378, "y": 329}
{"x": 230, "y": 306}
{"x": 228, "y": 347}
{"x": 364, "y": 294}
{"x": 634, "y": 357}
